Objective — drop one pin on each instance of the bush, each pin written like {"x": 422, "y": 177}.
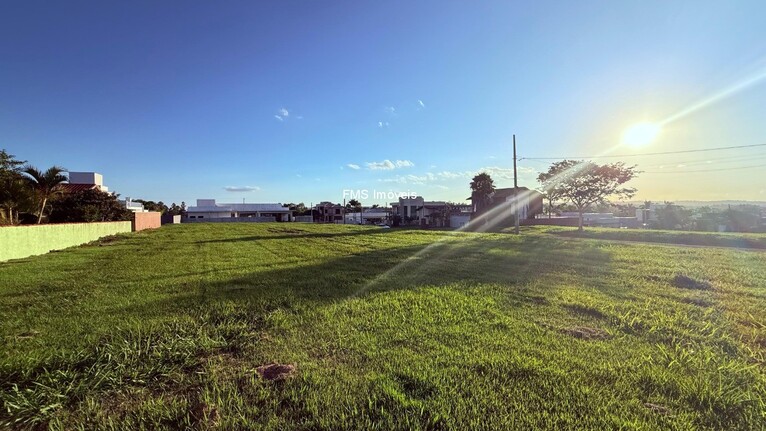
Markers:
{"x": 88, "y": 206}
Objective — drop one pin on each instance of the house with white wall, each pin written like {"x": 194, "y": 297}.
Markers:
{"x": 207, "y": 210}
{"x": 416, "y": 210}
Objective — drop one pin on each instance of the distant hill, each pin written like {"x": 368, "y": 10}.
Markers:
{"x": 714, "y": 204}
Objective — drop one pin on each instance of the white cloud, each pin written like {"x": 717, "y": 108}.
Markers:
{"x": 239, "y": 189}
{"x": 282, "y": 114}
{"x": 387, "y": 165}
{"x": 353, "y": 166}
{"x": 382, "y": 124}
{"x": 505, "y": 173}
{"x": 299, "y": 175}
{"x": 422, "y": 105}
{"x": 390, "y": 109}
{"x": 384, "y": 165}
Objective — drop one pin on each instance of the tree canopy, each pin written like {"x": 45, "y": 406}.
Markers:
{"x": 45, "y": 184}
{"x": 584, "y": 183}
{"x": 88, "y": 206}
{"x": 482, "y": 187}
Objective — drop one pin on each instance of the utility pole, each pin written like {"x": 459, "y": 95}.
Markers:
{"x": 515, "y": 189}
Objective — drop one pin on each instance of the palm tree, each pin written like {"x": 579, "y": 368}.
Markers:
{"x": 46, "y": 184}
{"x": 482, "y": 187}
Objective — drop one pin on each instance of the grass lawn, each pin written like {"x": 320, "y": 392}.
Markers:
{"x": 703, "y": 239}
{"x": 386, "y": 329}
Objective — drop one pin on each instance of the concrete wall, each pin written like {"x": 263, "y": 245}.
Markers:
{"x": 147, "y": 220}
{"x": 17, "y": 242}
{"x": 171, "y": 219}
{"x": 304, "y": 219}
{"x": 556, "y": 221}
{"x": 459, "y": 220}
{"x": 231, "y": 220}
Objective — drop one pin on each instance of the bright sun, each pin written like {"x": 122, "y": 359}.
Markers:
{"x": 640, "y": 134}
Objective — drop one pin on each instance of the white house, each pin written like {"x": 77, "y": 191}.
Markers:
{"x": 368, "y": 216}
{"x": 425, "y": 213}
{"x": 209, "y": 210}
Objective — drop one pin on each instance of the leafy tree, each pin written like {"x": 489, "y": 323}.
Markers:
{"x": 88, "y": 206}
{"x": 354, "y": 205}
{"x": 586, "y": 183}
{"x": 153, "y": 206}
{"x": 298, "y": 209}
{"x": 45, "y": 184}
{"x": 742, "y": 218}
{"x": 672, "y": 216}
{"x": 9, "y": 165}
{"x": 175, "y": 209}
{"x": 14, "y": 191}
{"x": 15, "y": 197}
{"x": 482, "y": 187}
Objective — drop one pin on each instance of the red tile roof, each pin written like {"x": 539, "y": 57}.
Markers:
{"x": 74, "y": 188}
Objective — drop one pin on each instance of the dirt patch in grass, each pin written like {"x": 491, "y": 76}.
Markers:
{"x": 585, "y": 311}
{"x": 204, "y": 414}
{"x": 586, "y": 333}
{"x": 686, "y": 282}
{"x": 276, "y": 372}
{"x": 27, "y": 335}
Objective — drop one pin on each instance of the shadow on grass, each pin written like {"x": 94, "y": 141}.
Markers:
{"x": 286, "y": 233}
{"x": 465, "y": 260}
{"x": 697, "y": 239}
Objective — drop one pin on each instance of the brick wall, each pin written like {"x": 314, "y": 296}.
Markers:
{"x": 150, "y": 220}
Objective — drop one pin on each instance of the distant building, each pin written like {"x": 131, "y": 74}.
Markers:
{"x": 328, "y": 212}
{"x": 604, "y": 219}
{"x": 81, "y": 181}
{"x": 504, "y": 203}
{"x": 136, "y": 207}
{"x": 369, "y": 216}
{"x": 209, "y": 210}
{"x": 417, "y": 211}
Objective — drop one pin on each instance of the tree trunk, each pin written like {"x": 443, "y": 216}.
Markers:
{"x": 580, "y": 229}
{"x": 550, "y": 209}
{"x": 42, "y": 208}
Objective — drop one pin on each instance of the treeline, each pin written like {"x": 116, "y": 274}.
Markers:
{"x": 32, "y": 196}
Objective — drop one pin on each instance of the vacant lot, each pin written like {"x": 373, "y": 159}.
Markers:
{"x": 382, "y": 329}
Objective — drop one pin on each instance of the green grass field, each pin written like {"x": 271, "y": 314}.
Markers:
{"x": 387, "y": 329}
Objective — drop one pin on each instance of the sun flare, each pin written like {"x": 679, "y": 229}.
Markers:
{"x": 640, "y": 134}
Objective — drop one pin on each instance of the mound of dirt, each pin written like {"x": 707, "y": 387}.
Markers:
{"x": 276, "y": 372}
{"x": 685, "y": 282}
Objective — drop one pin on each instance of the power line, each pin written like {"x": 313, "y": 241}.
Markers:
{"x": 716, "y": 160}
{"x": 700, "y": 150}
{"x": 736, "y": 168}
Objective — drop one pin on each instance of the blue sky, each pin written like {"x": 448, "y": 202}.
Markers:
{"x": 296, "y": 101}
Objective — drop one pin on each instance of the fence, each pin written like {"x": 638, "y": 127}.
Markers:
{"x": 263, "y": 219}
{"x": 147, "y": 220}
{"x": 22, "y": 241}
